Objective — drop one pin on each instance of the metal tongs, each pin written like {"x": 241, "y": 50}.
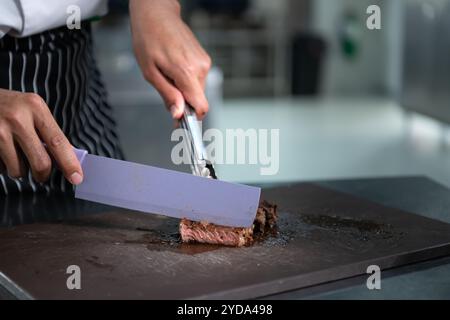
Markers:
{"x": 200, "y": 164}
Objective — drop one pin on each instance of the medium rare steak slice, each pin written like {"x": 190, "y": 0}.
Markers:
{"x": 203, "y": 232}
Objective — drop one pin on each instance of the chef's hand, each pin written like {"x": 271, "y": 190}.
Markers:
{"x": 24, "y": 120}
{"x": 169, "y": 55}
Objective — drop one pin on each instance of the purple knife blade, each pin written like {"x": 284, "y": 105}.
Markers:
{"x": 166, "y": 192}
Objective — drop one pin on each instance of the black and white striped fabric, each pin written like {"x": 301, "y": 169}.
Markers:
{"x": 59, "y": 66}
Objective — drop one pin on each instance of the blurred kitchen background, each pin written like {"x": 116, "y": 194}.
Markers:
{"x": 349, "y": 102}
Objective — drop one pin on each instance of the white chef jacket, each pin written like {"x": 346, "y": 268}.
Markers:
{"x": 21, "y": 18}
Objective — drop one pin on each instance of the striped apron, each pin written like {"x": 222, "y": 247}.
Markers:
{"x": 59, "y": 65}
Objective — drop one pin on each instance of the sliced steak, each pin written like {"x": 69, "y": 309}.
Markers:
{"x": 204, "y": 232}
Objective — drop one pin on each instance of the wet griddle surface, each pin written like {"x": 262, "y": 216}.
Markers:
{"x": 323, "y": 236}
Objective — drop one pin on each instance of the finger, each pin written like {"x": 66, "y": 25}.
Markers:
{"x": 190, "y": 87}
{"x": 10, "y": 157}
{"x": 58, "y": 145}
{"x": 38, "y": 159}
{"x": 195, "y": 96}
{"x": 172, "y": 97}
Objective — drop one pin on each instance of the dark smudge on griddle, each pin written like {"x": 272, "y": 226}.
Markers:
{"x": 94, "y": 260}
{"x": 363, "y": 230}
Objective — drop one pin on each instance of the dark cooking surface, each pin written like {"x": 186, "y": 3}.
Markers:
{"x": 324, "y": 235}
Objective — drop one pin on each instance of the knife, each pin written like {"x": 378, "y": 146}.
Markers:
{"x": 171, "y": 193}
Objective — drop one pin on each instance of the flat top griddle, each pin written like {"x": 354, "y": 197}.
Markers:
{"x": 324, "y": 235}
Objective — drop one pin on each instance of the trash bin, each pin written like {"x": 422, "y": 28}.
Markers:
{"x": 308, "y": 53}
